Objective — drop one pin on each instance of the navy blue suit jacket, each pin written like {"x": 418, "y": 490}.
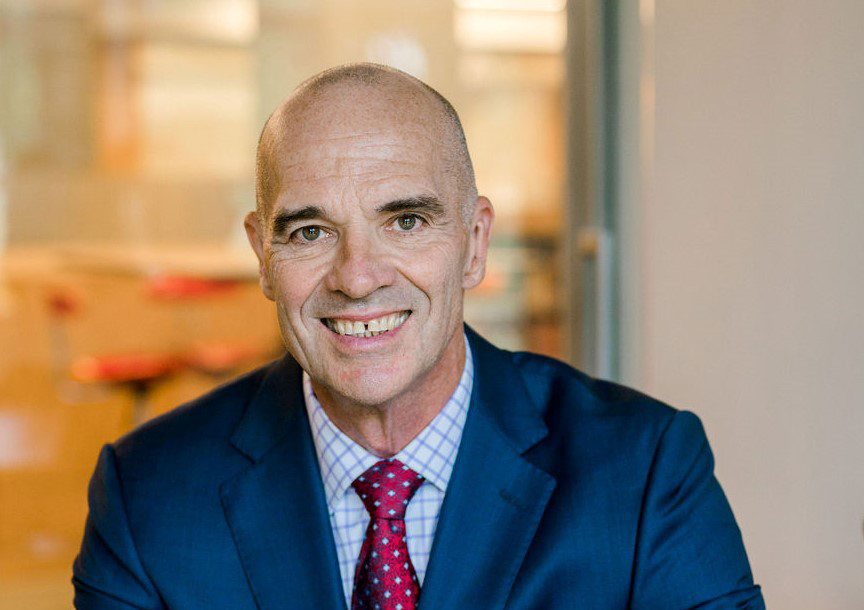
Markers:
{"x": 567, "y": 492}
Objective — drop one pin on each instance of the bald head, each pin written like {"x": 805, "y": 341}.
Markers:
{"x": 335, "y": 96}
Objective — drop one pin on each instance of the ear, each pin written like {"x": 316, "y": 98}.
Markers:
{"x": 478, "y": 242}
{"x": 255, "y": 233}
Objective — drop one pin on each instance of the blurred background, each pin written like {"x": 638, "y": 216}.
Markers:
{"x": 679, "y": 188}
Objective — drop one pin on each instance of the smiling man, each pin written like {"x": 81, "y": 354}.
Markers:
{"x": 394, "y": 459}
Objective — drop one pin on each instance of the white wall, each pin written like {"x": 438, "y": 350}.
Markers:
{"x": 743, "y": 265}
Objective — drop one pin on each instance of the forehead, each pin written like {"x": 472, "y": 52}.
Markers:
{"x": 361, "y": 135}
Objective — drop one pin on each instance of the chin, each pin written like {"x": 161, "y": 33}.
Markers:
{"x": 371, "y": 388}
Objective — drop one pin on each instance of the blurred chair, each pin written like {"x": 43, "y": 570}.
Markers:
{"x": 139, "y": 372}
{"x": 213, "y": 358}
{"x": 135, "y": 372}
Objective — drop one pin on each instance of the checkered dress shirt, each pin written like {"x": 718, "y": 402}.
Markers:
{"x": 432, "y": 454}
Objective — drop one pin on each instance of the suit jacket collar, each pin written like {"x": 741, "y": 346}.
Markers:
{"x": 502, "y": 397}
{"x": 276, "y": 508}
{"x": 496, "y": 497}
{"x": 275, "y": 411}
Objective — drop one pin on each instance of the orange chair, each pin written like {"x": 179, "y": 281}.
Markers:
{"x": 140, "y": 372}
{"x": 136, "y": 372}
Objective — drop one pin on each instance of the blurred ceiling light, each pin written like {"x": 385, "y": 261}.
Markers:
{"x": 522, "y": 31}
{"x": 536, "y": 6}
{"x": 229, "y": 20}
{"x": 646, "y": 12}
{"x": 219, "y": 21}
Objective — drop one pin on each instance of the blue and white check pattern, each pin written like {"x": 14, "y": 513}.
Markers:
{"x": 432, "y": 454}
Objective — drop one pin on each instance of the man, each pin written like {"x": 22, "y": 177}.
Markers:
{"x": 394, "y": 455}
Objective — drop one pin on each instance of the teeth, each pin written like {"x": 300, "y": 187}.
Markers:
{"x": 372, "y": 328}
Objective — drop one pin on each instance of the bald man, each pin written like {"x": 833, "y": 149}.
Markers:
{"x": 394, "y": 459}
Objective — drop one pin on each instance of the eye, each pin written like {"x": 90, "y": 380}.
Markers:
{"x": 408, "y": 222}
{"x": 309, "y": 233}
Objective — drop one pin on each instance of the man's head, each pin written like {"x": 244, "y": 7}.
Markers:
{"x": 368, "y": 223}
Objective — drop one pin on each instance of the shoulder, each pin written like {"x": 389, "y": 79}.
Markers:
{"x": 602, "y": 421}
{"x": 196, "y": 431}
{"x": 215, "y": 412}
{"x": 576, "y": 408}
{"x": 559, "y": 390}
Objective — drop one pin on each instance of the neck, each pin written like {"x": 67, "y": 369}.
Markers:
{"x": 385, "y": 429}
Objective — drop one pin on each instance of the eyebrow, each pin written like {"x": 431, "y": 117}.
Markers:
{"x": 285, "y": 218}
{"x": 421, "y": 203}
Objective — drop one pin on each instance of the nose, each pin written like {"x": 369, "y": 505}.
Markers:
{"x": 360, "y": 267}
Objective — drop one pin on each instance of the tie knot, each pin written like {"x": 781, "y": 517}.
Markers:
{"x": 386, "y": 488}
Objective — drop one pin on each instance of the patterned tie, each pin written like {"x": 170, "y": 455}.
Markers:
{"x": 385, "y": 578}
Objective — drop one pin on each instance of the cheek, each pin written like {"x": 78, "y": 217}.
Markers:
{"x": 438, "y": 273}
{"x": 294, "y": 287}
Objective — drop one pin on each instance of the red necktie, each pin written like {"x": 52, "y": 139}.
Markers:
{"x": 385, "y": 578}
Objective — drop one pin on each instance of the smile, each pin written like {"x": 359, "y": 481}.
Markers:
{"x": 369, "y": 328}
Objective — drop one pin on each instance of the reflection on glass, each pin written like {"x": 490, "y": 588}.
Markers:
{"x": 127, "y": 135}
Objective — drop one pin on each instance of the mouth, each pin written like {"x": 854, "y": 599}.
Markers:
{"x": 366, "y": 328}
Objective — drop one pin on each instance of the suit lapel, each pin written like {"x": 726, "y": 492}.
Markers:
{"x": 495, "y": 497}
{"x": 276, "y": 509}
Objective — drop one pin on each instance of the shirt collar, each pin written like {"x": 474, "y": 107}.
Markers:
{"x": 431, "y": 453}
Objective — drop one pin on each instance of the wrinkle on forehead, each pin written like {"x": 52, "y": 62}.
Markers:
{"x": 347, "y": 151}
{"x": 371, "y": 146}
{"x": 320, "y": 165}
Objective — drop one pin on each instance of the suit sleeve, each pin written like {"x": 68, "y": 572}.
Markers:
{"x": 689, "y": 551}
{"x": 108, "y": 574}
